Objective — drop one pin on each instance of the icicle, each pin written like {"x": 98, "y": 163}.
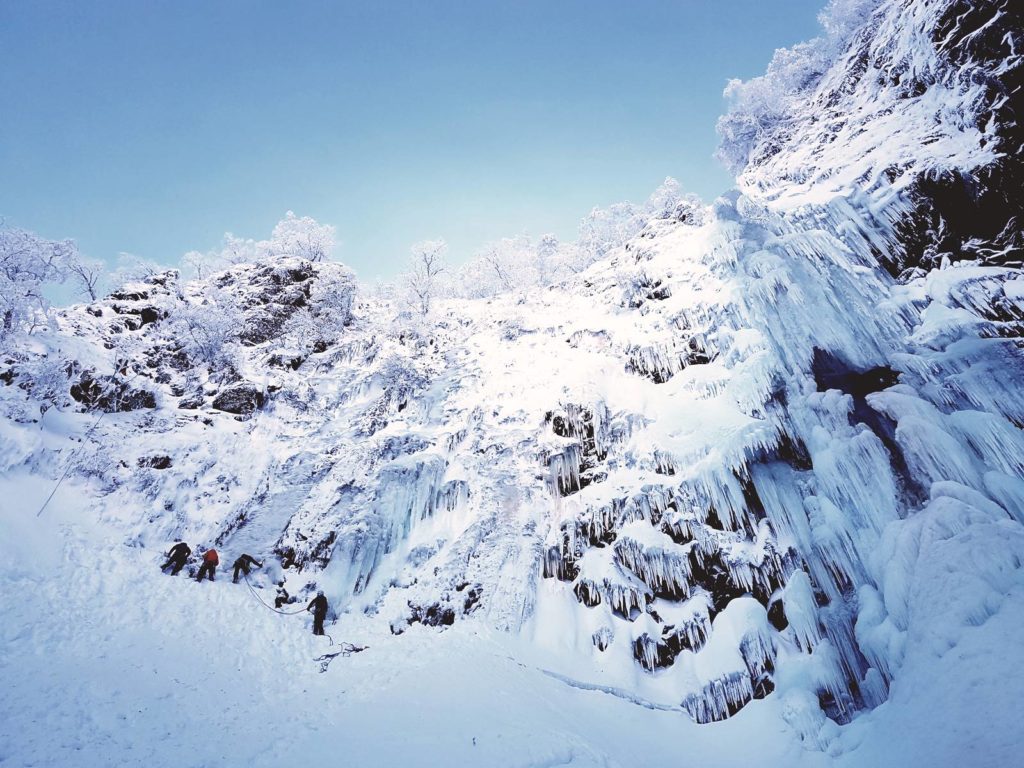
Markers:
{"x": 720, "y": 698}
{"x": 1008, "y": 491}
{"x": 656, "y": 362}
{"x": 564, "y": 468}
{"x": 801, "y": 610}
{"x": 601, "y": 579}
{"x": 658, "y": 561}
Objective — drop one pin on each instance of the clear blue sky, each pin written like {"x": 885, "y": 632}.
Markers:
{"x": 154, "y": 127}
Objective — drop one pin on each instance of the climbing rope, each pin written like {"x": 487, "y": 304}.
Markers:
{"x": 69, "y": 464}
{"x": 85, "y": 439}
{"x": 267, "y": 605}
{"x": 346, "y": 649}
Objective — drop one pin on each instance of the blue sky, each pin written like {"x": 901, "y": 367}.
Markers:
{"x": 154, "y": 127}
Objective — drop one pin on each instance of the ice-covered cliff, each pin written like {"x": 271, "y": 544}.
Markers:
{"x": 770, "y": 451}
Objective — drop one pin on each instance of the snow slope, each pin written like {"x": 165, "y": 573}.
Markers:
{"x": 197, "y": 675}
{"x": 748, "y": 489}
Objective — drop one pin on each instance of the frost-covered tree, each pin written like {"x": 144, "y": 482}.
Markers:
{"x": 514, "y": 264}
{"x": 240, "y": 250}
{"x": 401, "y": 375}
{"x": 304, "y": 237}
{"x": 296, "y": 236}
{"x": 208, "y": 331}
{"x": 197, "y": 264}
{"x": 605, "y": 229}
{"x": 132, "y": 268}
{"x": 422, "y": 281}
{"x": 758, "y": 106}
{"x": 546, "y": 257}
{"x": 669, "y": 201}
{"x": 329, "y": 311}
{"x": 508, "y": 265}
{"x": 518, "y": 263}
{"x": 27, "y": 263}
{"x": 762, "y": 105}
{"x": 233, "y": 250}
{"x": 334, "y": 294}
{"x": 554, "y": 260}
{"x": 87, "y": 275}
{"x": 46, "y": 379}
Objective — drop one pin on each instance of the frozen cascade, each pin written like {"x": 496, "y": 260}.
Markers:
{"x": 410, "y": 490}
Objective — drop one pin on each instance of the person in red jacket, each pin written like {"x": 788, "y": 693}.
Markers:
{"x": 209, "y": 567}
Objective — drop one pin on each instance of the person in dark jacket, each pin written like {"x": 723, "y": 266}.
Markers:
{"x": 319, "y": 607}
{"x": 242, "y": 564}
{"x": 282, "y": 596}
{"x": 209, "y": 566}
{"x": 177, "y": 558}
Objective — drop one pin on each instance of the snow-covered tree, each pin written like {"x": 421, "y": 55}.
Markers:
{"x": 546, "y": 253}
{"x": 197, "y": 264}
{"x": 508, "y": 265}
{"x": 233, "y": 250}
{"x": 669, "y": 201}
{"x": 304, "y": 237}
{"x": 329, "y": 310}
{"x": 422, "y": 281}
{"x": 334, "y": 294}
{"x": 132, "y": 268}
{"x": 297, "y": 236}
{"x": 515, "y": 264}
{"x": 46, "y": 380}
{"x": 402, "y": 374}
{"x": 209, "y": 331}
{"x": 87, "y": 275}
{"x": 27, "y": 263}
{"x": 240, "y": 250}
{"x": 605, "y": 229}
{"x": 760, "y": 106}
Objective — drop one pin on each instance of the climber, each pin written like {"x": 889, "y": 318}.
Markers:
{"x": 282, "y": 595}
{"x": 242, "y": 564}
{"x": 177, "y": 557}
{"x": 209, "y": 566}
{"x": 319, "y": 607}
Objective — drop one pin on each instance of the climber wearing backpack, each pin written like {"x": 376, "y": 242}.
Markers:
{"x": 177, "y": 557}
{"x": 319, "y": 607}
{"x": 242, "y": 564}
{"x": 209, "y": 567}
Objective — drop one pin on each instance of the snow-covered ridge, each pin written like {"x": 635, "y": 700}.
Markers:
{"x": 915, "y": 103}
{"x": 734, "y": 459}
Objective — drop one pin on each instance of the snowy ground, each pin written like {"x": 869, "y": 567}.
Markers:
{"x": 106, "y": 662}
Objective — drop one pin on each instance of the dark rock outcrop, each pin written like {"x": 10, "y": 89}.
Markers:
{"x": 242, "y": 399}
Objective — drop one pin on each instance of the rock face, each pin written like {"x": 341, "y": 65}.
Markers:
{"x": 271, "y": 296}
{"x": 721, "y": 464}
{"x": 241, "y": 399}
{"x": 110, "y": 394}
{"x": 924, "y": 99}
